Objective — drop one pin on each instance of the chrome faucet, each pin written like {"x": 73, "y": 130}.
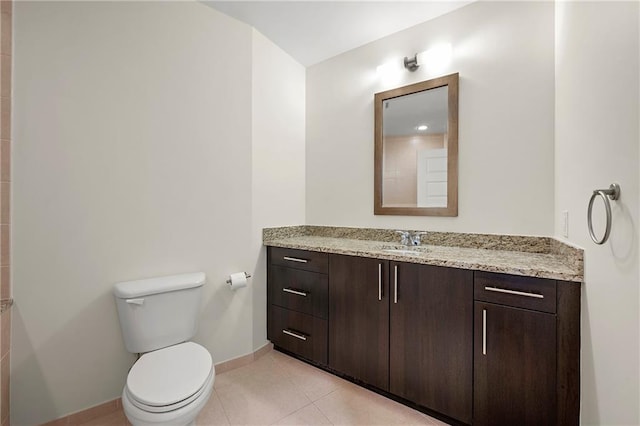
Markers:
{"x": 408, "y": 238}
{"x": 405, "y": 238}
{"x": 416, "y": 237}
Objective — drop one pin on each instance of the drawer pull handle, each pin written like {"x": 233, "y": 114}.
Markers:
{"x": 484, "y": 332}
{"x": 379, "y": 281}
{"x": 517, "y": 293}
{"x": 296, "y": 335}
{"x": 395, "y": 283}
{"x": 295, "y": 259}
{"x": 292, "y": 291}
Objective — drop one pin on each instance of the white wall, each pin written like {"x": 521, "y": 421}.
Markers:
{"x": 132, "y": 158}
{"x": 597, "y": 143}
{"x": 504, "y": 54}
{"x": 278, "y": 181}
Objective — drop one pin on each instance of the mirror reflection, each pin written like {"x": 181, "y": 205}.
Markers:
{"x": 416, "y": 149}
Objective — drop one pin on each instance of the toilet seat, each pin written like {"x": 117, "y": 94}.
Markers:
{"x": 169, "y": 378}
{"x": 171, "y": 407}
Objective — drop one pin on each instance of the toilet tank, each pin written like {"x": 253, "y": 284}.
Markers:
{"x": 159, "y": 312}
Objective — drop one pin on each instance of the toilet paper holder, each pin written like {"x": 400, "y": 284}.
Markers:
{"x": 245, "y": 274}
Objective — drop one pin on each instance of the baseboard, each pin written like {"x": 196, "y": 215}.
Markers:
{"x": 234, "y": 363}
{"x": 87, "y": 414}
{"x": 109, "y": 407}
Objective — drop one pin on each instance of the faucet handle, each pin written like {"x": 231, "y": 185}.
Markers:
{"x": 416, "y": 237}
{"x": 405, "y": 237}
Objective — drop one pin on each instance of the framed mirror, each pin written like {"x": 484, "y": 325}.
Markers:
{"x": 416, "y": 149}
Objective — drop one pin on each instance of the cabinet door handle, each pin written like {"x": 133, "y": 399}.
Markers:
{"x": 379, "y": 281}
{"x": 517, "y": 293}
{"x": 395, "y": 283}
{"x": 295, "y": 259}
{"x": 484, "y": 332}
{"x": 296, "y": 335}
{"x": 297, "y": 292}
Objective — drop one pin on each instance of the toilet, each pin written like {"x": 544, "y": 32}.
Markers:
{"x": 173, "y": 378}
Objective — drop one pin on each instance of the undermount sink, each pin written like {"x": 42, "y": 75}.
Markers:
{"x": 400, "y": 251}
{"x": 405, "y": 251}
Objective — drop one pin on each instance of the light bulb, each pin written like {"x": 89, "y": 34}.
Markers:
{"x": 437, "y": 58}
{"x": 390, "y": 71}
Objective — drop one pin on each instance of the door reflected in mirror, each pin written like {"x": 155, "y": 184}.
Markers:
{"x": 416, "y": 149}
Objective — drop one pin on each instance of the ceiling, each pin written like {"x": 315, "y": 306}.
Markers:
{"x": 403, "y": 115}
{"x": 312, "y": 31}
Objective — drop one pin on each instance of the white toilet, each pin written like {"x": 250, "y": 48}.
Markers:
{"x": 173, "y": 379}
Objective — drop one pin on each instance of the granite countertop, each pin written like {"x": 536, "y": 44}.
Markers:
{"x": 528, "y": 256}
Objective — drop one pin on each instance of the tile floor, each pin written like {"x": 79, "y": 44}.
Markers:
{"x": 280, "y": 390}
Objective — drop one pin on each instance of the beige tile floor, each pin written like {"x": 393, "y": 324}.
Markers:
{"x": 280, "y": 390}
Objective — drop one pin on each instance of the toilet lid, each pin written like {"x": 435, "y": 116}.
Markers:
{"x": 169, "y": 375}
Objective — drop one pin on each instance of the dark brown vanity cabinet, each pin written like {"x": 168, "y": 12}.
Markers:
{"x": 478, "y": 347}
{"x": 526, "y": 351}
{"x": 431, "y": 337}
{"x": 297, "y": 302}
{"x": 359, "y": 318}
{"x": 404, "y": 328}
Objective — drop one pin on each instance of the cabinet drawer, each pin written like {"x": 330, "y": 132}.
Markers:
{"x": 300, "y": 259}
{"x": 521, "y": 292}
{"x": 301, "y": 291}
{"x": 299, "y": 333}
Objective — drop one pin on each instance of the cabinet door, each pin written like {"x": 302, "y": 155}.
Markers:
{"x": 359, "y": 318}
{"x": 515, "y": 366}
{"x": 431, "y": 337}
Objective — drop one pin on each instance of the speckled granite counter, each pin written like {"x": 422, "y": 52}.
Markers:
{"x": 518, "y": 255}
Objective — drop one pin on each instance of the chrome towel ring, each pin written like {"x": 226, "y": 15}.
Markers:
{"x": 612, "y": 193}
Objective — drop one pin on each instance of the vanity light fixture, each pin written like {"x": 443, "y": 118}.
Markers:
{"x": 411, "y": 63}
{"x": 435, "y": 59}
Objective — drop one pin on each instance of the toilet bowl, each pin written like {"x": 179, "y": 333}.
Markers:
{"x": 173, "y": 379}
{"x": 169, "y": 386}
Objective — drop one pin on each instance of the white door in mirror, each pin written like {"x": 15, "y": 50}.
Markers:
{"x": 432, "y": 178}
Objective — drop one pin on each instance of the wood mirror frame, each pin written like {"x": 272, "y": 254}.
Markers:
{"x": 451, "y": 81}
